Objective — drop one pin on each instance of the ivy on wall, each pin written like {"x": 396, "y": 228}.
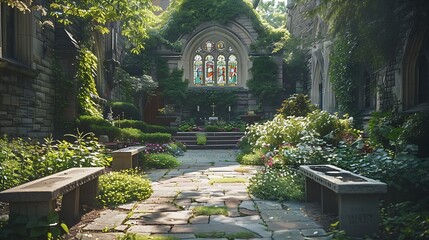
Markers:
{"x": 184, "y": 16}
{"x": 85, "y": 76}
{"x": 343, "y": 73}
{"x": 264, "y": 84}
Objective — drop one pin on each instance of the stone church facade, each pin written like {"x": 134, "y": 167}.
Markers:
{"x": 403, "y": 82}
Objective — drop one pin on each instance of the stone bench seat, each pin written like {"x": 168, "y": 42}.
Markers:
{"x": 126, "y": 158}
{"x": 353, "y": 197}
{"x": 78, "y": 186}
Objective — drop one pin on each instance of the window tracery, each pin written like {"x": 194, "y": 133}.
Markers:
{"x": 215, "y": 64}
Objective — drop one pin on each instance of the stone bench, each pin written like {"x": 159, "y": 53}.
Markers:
{"x": 353, "y": 197}
{"x": 78, "y": 186}
{"x": 126, "y": 158}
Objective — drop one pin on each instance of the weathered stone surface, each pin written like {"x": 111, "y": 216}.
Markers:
{"x": 149, "y": 229}
{"x": 108, "y": 219}
{"x": 276, "y": 226}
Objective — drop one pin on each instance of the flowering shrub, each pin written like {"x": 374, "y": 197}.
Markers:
{"x": 160, "y": 161}
{"x": 155, "y": 148}
{"x": 277, "y": 184}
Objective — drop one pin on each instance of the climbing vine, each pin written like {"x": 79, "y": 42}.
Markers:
{"x": 343, "y": 73}
{"x": 184, "y": 16}
{"x": 87, "y": 92}
{"x": 264, "y": 84}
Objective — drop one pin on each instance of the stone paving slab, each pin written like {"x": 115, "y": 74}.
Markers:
{"x": 108, "y": 219}
{"x": 149, "y": 229}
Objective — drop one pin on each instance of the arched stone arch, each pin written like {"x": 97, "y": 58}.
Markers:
{"x": 417, "y": 45}
{"x": 216, "y": 33}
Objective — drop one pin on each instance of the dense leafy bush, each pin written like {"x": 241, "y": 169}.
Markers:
{"x": 98, "y": 126}
{"x": 277, "y": 184}
{"x": 125, "y": 110}
{"x": 155, "y": 148}
{"x": 22, "y": 161}
{"x": 24, "y": 227}
{"x": 201, "y": 139}
{"x": 132, "y": 134}
{"x": 160, "y": 160}
{"x": 142, "y": 126}
{"x": 251, "y": 159}
{"x": 213, "y": 128}
{"x": 123, "y": 187}
{"x": 156, "y": 137}
{"x": 298, "y": 105}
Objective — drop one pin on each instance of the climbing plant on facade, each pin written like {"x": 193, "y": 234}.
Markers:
{"x": 85, "y": 75}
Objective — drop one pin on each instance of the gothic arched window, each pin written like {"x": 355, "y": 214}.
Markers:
{"x": 215, "y": 64}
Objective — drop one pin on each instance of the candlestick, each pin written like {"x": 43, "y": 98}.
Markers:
{"x": 229, "y": 108}
{"x": 198, "y": 108}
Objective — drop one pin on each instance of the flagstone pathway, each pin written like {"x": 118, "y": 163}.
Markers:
{"x": 168, "y": 211}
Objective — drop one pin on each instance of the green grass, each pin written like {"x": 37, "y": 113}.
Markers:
{"x": 227, "y": 180}
{"x": 209, "y": 210}
{"x": 229, "y": 236}
{"x": 134, "y": 236}
{"x": 242, "y": 170}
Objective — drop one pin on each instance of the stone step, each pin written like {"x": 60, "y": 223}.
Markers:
{"x": 210, "y": 133}
{"x": 215, "y": 146}
{"x": 215, "y": 140}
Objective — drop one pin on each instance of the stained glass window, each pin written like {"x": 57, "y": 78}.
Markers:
{"x": 232, "y": 68}
{"x": 214, "y": 64}
{"x": 221, "y": 70}
{"x": 209, "y": 70}
{"x": 198, "y": 70}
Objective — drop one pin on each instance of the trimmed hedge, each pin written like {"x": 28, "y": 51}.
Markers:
{"x": 142, "y": 126}
{"x": 156, "y": 137}
{"x": 128, "y": 109}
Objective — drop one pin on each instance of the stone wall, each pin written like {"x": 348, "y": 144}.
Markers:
{"x": 27, "y": 91}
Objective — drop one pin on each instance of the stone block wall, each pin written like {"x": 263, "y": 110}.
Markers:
{"x": 27, "y": 92}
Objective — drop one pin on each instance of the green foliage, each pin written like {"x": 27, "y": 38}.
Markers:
{"x": 343, "y": 72}
{"x": 171, "y": 84}
{"x": 132, "y": 134}
{"x": 251, "y": 159}
{"x": 98, "y": 126}
{"x": 87, "y": 92}
{"x": 125, "y": 110}
{"x": 244, "y": 145}
{"x": 123, "y": 187}
{"x": 406, "y": 220}
{"x": 228, "y": 236}
{"x": 156, "y": 137}
{"x": 135, "y": 236}
{"x": 209, "y": 210}
{"x": 264, "y": 84}
{"x": 160, "y": 161}
{"x": 22, "y": 161}
{"x": 201, "y": 139}
{"x": 31, "y": 228}
{"x": 298, "y": 105}
{"x": 135, "y": 17}
{"x": 273, "y": 12}
{"x": 227, "y": 180}
{"x": 142, "y": 126}
{"x": 127, "y": 88}
{"x": 213, "y": 128}
{"x": 277, "y": 184}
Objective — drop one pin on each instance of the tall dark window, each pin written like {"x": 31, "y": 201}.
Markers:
{"x": 8, "y": 32}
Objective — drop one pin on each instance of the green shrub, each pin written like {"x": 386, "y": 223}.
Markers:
{"x": 251, "y": 159}
{"x": 213, "y": 128}
{"x": 298, "y": 105}
{"x": 132, "y": 134}
{"x": 22, "y": 161}
{"x": 416, "y": 131}
{"x": 244, "y": 145}
{"x": 123, "y": 187}
{"x": 160, "y": 161}
{"x": 111, "y": 131}
{"x": 277, "y": 184}
{"x": 156, "y": 137}
{"x": 125, "y": 110}
{"x": 24, "y": 227}
{"x": 142, "y": 126}
{"x": 85, "y": 121}
{"x": 201, "y": 139}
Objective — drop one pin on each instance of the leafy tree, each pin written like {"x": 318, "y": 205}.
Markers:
{"x": 273, "y": 12}
{"x": 135, "y": 16}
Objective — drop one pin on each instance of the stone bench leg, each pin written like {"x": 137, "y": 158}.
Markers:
{"x": 88, "y": 193}
{"x": 70, "y": 206}
{"x": 122, "y": 162}
{"x": 329, "y": 201}
{"x": 312, "y": 190}
{"x": 358, "y": 214}
{"x": 32, "y": 209}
